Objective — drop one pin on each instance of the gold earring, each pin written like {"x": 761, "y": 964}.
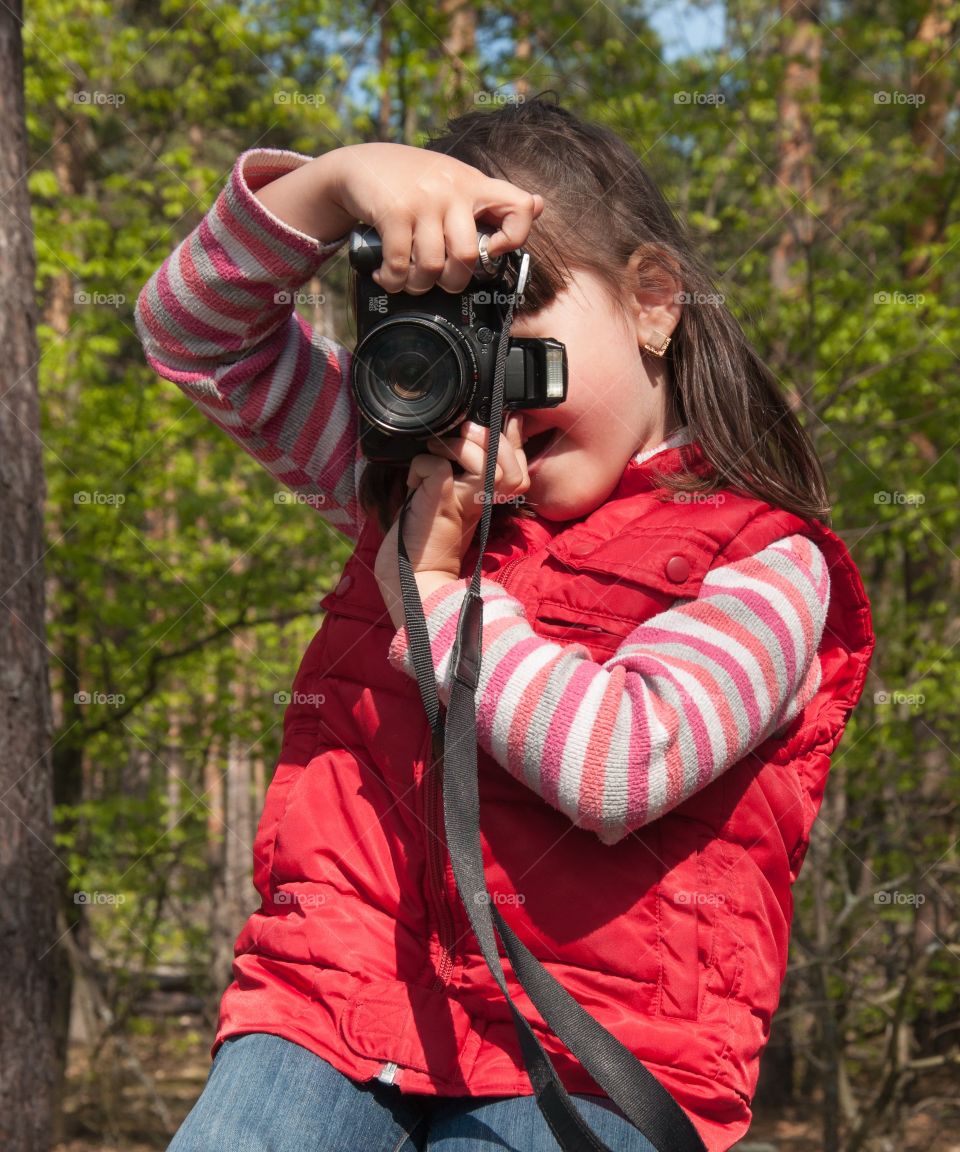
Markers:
{"x": 663, "y": 347}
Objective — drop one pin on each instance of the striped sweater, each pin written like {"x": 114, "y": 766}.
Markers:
{"x": 613, "y": 746}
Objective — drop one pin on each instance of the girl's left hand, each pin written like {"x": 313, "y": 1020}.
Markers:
{"x": 445, "y": 510}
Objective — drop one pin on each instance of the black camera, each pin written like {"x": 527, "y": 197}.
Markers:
{"x": 424, "y": 364}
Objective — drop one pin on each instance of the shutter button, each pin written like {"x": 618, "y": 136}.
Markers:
{"x": 345, "y": 581}
{"x": 678, "y": 569}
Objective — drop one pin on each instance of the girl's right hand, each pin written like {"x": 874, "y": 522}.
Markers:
{"x": 424, "y": 205}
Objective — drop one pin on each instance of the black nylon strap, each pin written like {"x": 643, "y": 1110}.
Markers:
{"x": 631, "y": 1086}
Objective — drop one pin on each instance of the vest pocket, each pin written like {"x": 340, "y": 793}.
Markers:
{"x": 597, "y": 591}
{"x": 601, "y": 643}
{"x": 680, "y": 924}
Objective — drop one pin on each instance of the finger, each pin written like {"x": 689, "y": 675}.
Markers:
{"x": 397, "y": 240}
{"x": 514, "y": 210}
{"x": 429, "y": 254}
{"x": 511, "y": 455}
{"x": 426, "y": 467}
{"x": 471, "y": 456}
{"x": 461, "y": 239}
{"x": 513, "y": 432}
{"x": 513, "y": 429}
{"x": 510, "y": 473}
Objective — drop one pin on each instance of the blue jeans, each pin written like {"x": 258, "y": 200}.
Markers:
{"x": 267, "y": 1094}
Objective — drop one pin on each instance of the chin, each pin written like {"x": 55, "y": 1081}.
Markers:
{"x": 562, "y": 500}
{"x": 562, "y": 506}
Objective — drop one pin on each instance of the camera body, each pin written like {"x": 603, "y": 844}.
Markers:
{"x": 425, "y": 363}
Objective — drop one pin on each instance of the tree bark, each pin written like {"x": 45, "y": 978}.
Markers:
{"x": 801, "y": 47}
{"x": 28, "y": 882}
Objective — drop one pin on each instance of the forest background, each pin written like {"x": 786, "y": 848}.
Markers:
{"x": 813, "y": 150}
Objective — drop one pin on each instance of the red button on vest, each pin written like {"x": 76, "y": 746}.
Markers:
{"x": 345, "y": 581}
{"x": 678, "y": 569}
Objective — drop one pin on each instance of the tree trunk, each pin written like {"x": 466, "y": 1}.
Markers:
{"x": 801, "y": 47}
{"x": 234, "y": 896}
{"x": 930, "y": 79}
{"x": 28, "y": 882}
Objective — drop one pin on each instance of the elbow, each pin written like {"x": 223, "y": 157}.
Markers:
{"x": 610, "y": 836}
{"x": 142, "y": 314}
{"x": 607, "y": 830}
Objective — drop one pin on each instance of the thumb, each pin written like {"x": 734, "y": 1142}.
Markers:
{"x": 507, "y": 203}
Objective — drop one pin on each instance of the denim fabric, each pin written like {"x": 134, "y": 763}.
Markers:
{"x": 267, "y": 1094}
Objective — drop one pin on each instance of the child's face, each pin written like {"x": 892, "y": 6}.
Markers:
{"x": 613, "y": 409}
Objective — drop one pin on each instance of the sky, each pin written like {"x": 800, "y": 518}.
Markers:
{"x": 687, "y": 29}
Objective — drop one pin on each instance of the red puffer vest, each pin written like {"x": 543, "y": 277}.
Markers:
{"x": 675, "y": 938}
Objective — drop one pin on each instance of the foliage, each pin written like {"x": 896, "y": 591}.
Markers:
{"x": 157, "y": 578}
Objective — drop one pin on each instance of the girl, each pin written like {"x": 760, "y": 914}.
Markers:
{"x": 673, "y": 640}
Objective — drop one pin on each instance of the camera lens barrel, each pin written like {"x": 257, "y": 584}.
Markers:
{"x": 426, "y": 362}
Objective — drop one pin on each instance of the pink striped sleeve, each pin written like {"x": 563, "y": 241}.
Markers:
{"x": 218, "y": 319}
{"x": 686, "y": 695}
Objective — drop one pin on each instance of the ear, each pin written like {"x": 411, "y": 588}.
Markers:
{"x": 653, "y": 293}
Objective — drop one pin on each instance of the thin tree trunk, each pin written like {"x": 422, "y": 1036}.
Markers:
{"x": 801, "y": 47}
{"x": 28, "y": 880}
{"x": 931, "y": 80}
{"x": 234, "y": 894}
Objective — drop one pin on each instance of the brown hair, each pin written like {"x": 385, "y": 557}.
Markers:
{"x": 602, "y": 205}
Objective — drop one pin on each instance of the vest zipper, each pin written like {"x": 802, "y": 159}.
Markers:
{"x": 436, "y": 862}
{"x": 501, "y": 573}
{"x": 388, "y": 1073}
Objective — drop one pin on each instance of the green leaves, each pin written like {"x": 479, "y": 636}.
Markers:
{"x": 166, "y": 545}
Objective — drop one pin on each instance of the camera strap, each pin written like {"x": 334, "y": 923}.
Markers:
{"x": 631, "y": 1086}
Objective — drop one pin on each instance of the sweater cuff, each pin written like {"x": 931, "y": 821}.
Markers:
{"x": 441, "y": 610}
{"x": 259, "y": 166}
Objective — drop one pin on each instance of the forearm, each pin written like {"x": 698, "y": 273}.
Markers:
{"x": 427, "y": 582}
{"x": 218, "y": 319}
{"x": 307, "y": 198}
{"x": 689, "y": 692}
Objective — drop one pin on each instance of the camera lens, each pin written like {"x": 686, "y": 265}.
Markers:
{"x": 412, "y": 375}
{"x": 408, "y": 374}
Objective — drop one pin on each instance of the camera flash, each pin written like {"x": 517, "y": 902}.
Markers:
{"x": 554, "y": 358}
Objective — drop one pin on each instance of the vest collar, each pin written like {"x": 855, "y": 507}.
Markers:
{"x": 679, "y": 451}
{"x": 681, "y": 435}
